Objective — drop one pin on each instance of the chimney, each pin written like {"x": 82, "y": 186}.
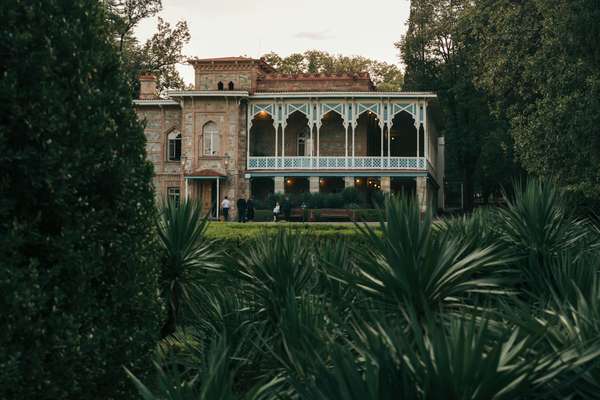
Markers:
{"x": 148, "y": 87}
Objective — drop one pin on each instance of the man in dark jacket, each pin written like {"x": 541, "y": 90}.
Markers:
{"x": 249, "y": 209}
{"x": 241, "y": 206}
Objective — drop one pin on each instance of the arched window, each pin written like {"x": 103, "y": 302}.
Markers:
{"x": 302, "y": 138}
{"x": 230, "y": 86}
{"x": 174, "y": 146}
{"x": 220, "y": 86}
{"x": 210, "y": 139}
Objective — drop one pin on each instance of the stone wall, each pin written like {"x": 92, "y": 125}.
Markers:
{"x": 160, "y": 121}
{"x": 314, "y": 83}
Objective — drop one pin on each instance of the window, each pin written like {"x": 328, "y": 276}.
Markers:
{"x": 210, "y": 137}
{"x": 220, "y": 86}
{"x": 173, "y": 195}
{"x": 230, "y": 86}
{"x": 174, "y": 153}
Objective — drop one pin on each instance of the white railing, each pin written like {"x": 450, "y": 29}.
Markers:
{"x": 307, "y": 162}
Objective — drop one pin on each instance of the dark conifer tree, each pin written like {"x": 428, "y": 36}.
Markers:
{"x": 78, "y": 278}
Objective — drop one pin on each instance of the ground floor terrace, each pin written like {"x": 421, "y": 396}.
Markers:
{"x": 369, "y": 189}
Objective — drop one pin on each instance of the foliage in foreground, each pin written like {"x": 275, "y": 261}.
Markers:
{"x": 499, "y": 305}
{"x": 78, "y": 275}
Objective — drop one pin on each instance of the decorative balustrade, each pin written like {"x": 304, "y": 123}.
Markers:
{"x": 307, "y": 162}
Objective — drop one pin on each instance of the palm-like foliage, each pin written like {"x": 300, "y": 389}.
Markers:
{"x": 538, "y": 221}
{"x": 407, "y": 264}
{"x": 186, "y": 254}
{"x": 417, "y": 310}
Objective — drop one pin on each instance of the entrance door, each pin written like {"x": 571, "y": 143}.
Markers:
{"x": 205, "y": 196}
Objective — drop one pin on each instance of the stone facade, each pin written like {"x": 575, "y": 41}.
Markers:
{"x": 213, "y": 123}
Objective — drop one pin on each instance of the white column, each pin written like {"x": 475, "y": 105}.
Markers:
{"x": 218, "y": 199}
{"x": 279, "y": 184}
{"x": 346, "y": 140}
{"x": 385, "y": 184}
{"x": 276, "y": 138}
{"x": 348, "y": 181}
{"x": 313, "y": 184}
{"x": 389, "y": 147}
{"x": 425, "y": 134}
{"x": 318, "y": 140}
{"x": 186, "y": 189}
{"x": 353, "y": 135}
{"x": 381, "y": 150}
{"x": 282, "y": 144}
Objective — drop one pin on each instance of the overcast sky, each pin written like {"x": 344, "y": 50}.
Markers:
{"x": 221, "y": 28}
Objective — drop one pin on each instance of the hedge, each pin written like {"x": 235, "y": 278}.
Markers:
{"x": 233, "y": 235}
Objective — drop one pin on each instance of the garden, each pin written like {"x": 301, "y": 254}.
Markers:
{"x": 502, "y": 304}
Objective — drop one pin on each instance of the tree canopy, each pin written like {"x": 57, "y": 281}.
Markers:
{"x": 160, "y": 54}
{"x": 387, "y": 77}
{"x": 78, "y": 277}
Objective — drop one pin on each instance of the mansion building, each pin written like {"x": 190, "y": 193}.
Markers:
{"x": 247, "y": 130}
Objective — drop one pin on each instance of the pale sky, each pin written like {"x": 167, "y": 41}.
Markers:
{"x": 222, "y": 28}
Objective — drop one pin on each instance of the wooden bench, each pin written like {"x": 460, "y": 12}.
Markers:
{"x": 297, "y": 214}
{"x": 331, "y": 213}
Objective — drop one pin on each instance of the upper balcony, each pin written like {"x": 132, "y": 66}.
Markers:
{"x": 342, "y": 134}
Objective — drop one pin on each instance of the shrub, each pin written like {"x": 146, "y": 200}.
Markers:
{"x": 350, "y": 195}
{"x": 78, "y": 276}
{"x": 334, "y": 200}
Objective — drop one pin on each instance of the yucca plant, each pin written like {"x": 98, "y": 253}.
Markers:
{"x": 408, "y": 265}
{"x": 274, "y": 268}
{"x": 186, "y": 255}
{"x": 214, "y": 381}
{"x": 538, "y": 221}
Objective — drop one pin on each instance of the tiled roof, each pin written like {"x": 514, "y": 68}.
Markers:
{"x": 217, "y": 59}
{"x": 316, "y": 76}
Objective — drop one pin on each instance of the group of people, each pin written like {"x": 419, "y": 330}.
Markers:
{"x": 245, "y": 209}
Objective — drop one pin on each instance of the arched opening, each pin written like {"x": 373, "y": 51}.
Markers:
{"x": 174, "y": 146}
{"x": 403, "y": 136}
{"x": 367, "y": 139}
{"x": 332, "y": 135}
{"x": 297, "y": 135}
{"x": 230, "y": 85}
{"x": 262, "y": 135}
{"x": 220, "y": 85}
{"x": 210, "y": 139}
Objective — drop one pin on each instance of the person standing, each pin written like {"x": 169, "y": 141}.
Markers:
{"x": 225, "y": 206}
{"x": 241, "y": 206}
{"x": 249, "y": 209}
{"x": 276, "y": 211}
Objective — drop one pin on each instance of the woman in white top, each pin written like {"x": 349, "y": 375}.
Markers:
{"x": 276, "y": 212}
{"x": 225, "y": 207}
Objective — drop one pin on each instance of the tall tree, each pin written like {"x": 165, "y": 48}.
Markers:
{"x": 387, "y": 77}
{"x": 538, "y": 60}
{"x": 78, "y": 275}
{"x": 438, "y": 51}
{"x": 160, "y": 54}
